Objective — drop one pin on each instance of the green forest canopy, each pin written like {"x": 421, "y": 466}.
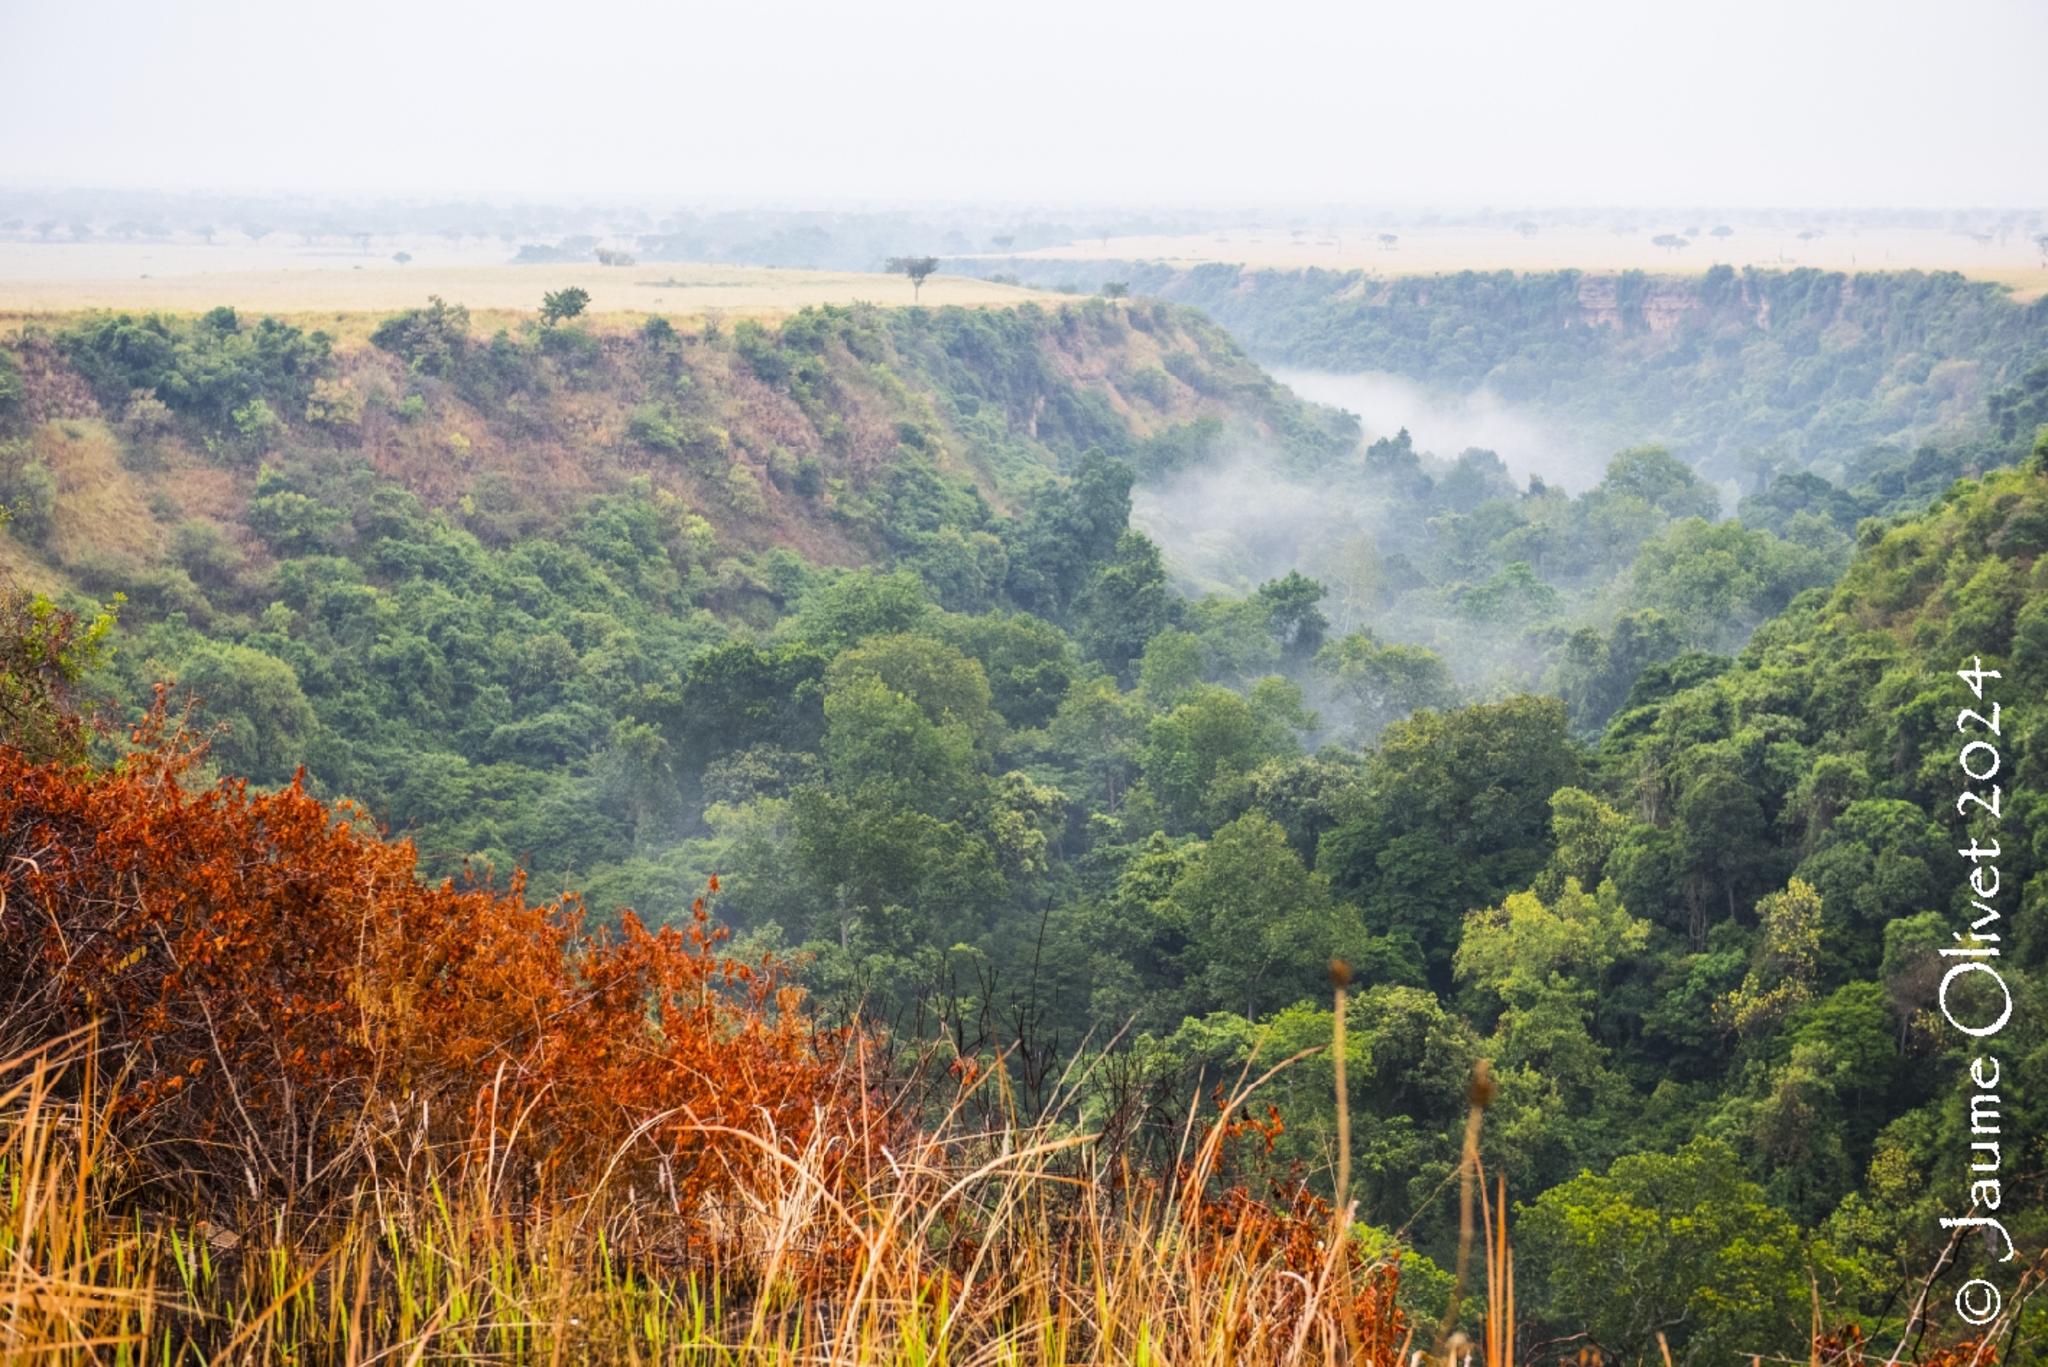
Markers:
{"x": 1000, "y": 782}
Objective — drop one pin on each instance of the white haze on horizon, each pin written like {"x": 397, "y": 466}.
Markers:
{"x": 1746, "y": 103}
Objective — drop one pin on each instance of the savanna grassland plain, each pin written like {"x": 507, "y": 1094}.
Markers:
{"x": 322, "y": 277}
{"x": 312, "y": 283}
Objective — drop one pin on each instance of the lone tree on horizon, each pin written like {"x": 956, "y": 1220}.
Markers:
{"x": 918, "y": 268}
{"x": 556, "y": 305}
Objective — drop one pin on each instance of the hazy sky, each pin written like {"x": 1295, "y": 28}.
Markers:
{"x": 1613, "y": 102}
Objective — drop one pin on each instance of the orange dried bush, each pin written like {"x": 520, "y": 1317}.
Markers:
{"x": 388, "y": 1109}
{"x": 1848, "y": 1347}
{"x": 1293, "y": 1230}
{"x": 291, "y": 1008}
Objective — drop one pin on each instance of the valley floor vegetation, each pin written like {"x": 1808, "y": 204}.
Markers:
{"x": 986, "y": 871}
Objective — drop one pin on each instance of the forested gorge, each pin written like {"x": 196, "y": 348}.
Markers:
{"x": 896, "y": 628}
{"x": 1744, "y": 374}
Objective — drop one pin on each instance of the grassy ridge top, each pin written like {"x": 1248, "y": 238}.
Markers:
{"x": 342, "y": 291}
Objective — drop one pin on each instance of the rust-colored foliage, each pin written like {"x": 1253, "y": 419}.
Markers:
{"x": 291, "y": 1004}
{"x": 289, "y": 1029}
{"x": 1848, "y": 1347}
{"x": 1297, "y": 1236}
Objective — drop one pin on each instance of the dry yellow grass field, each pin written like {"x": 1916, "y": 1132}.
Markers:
{"x": 319, "y": 284}
{"x": 2015, "y": 261}
{"x": 47, "y": 278}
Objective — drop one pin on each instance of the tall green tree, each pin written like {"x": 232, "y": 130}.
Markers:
{"x": 1680, "y": 1245}
{"x": 1455, "y": 814}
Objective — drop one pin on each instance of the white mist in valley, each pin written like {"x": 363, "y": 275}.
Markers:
{"x": 1235, "y": 521}
{"x": 1243, "y": 516}
{"x": 1248, "y": 515}
{"x": 1446, "y": 422}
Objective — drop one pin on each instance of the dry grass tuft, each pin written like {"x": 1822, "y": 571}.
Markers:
{"x": 971, "y": 1245}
